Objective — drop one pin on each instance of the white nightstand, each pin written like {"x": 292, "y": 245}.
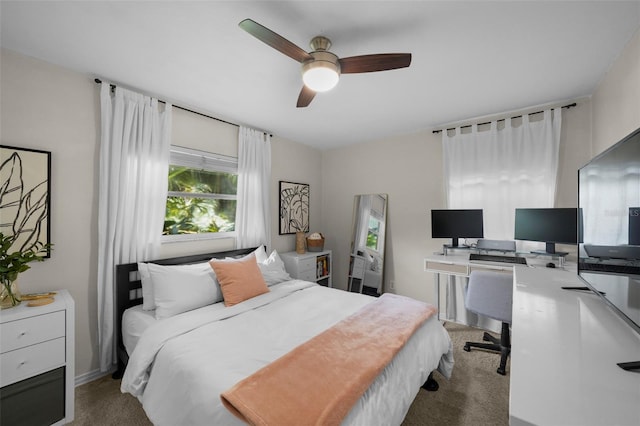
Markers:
{"x": 37, "y": 362}
{"x": 312, "y": 266}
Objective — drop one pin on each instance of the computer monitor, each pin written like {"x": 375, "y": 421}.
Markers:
{"x": 609, "y": 252}
{"x": 454, "y": 224}
{"x": 549, "y": 226}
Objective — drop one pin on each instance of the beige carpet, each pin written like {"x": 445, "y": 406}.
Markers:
{"x": 476, "y": 395}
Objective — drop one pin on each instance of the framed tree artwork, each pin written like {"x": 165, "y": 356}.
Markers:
{"x": 294, "y": 207}
{"x": 25, "y": 187}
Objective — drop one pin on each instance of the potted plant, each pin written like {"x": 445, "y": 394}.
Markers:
{"x": 13, "y": 263}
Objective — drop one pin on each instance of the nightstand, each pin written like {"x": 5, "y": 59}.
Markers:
{"x": 37, "y": 363}
{"x": 310, "y": 266}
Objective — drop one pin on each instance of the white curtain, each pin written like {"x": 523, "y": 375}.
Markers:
{"x": 362, "y": 222}
{"x": 498, "y": 171}
{"x": 134, "y": 161}
{"x": 254, "y": 175}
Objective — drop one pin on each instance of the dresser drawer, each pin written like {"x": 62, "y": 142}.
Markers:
{"x": 23, "y": 363}
{"x": 307, "y": 275}
{"x": 29, "y": 331}
{"x": 308, "y": 264}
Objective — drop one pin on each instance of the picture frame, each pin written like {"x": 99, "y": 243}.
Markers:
{"x": 25, "y": 197}
{"x": 293, "y": 208}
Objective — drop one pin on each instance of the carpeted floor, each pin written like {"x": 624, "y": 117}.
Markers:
{"x": 475, "y": 395}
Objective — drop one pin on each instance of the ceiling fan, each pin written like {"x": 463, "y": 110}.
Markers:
{"x": 321, "y": 69}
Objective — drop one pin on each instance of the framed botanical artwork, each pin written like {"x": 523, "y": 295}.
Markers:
{"x": 294, "y": 207}
{"x": 25, "y": 188}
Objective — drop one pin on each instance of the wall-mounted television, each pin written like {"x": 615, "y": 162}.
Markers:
{"x": 550, "y": 226}
{"x": 457, "y": 223}
{"x": 609, "y": 255}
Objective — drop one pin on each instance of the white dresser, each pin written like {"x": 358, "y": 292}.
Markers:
{"x": 37, "y": 370}
{"x": 310, "y": 266}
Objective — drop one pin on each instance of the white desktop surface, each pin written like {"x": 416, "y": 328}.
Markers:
{"x": 564, "y": 350}
{"x": 433, "y": 263}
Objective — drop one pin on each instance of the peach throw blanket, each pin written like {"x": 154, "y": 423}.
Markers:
{"x": 318, "y": 382}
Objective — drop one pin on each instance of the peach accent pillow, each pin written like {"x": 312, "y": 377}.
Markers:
{"x": 240, "y": 279}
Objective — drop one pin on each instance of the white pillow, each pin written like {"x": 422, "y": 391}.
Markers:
{"x": 273, "y": 269}
{"x": 148, "y": 304}
{"x": 181, "y": 288}
{"x": 260, "y": 253}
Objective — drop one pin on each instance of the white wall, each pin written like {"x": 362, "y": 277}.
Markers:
{"x": 44, "y": 106}
{"x": 616, "y": 101}
{"x": 407, "y": 168}
{"x": 49, "y": 108}
{"x": 294, "y": 162}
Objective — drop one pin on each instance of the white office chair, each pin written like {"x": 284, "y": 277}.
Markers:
{"x": 490, "y": 294}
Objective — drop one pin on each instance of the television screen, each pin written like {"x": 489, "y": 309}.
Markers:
{"x": 454, "y": 224}
{"x": 609, "y": 255}
{"x": 548, "y": 226}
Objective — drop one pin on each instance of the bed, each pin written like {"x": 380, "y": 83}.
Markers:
{"x": 178, "y": 366}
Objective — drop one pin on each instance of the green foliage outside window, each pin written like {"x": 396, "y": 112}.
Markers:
{"x": 372, "y": 233}
{"x": 200, "y": 201}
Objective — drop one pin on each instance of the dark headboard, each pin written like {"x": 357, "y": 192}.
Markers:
{"x": 129, "y": 290}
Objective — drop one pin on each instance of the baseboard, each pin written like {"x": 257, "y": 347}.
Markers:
{"x": 91, "y": 376}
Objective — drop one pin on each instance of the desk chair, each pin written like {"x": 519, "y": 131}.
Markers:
{"x": 490, "y": 294}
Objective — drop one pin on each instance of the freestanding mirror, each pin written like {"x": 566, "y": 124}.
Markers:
{"x": 366, "y": 262}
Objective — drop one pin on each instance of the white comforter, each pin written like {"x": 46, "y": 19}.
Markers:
{"x": 182, "y": 364}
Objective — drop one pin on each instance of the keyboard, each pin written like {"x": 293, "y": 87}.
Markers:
{"x": 498, "y": 258}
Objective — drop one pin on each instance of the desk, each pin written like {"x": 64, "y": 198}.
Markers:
{"x": 565, "y": 346}
{"x": 459, "y": 265}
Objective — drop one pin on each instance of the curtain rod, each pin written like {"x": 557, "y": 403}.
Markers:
{"x": 113, "y": 86}
{"x": 502, "y": 119}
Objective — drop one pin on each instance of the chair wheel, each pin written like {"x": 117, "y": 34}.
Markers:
{"x": 501, "y": 371}
{"x": 467, "y": 348}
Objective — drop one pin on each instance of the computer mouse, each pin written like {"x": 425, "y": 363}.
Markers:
{"x": 551, "y": 265}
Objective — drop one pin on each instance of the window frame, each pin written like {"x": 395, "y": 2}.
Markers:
{"x": 209, "y": 161}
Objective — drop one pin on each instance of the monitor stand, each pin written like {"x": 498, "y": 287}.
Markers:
{"x": 550, "y": 250}
{"x": 546, "y": 253}
{"x": 630, "y": 366}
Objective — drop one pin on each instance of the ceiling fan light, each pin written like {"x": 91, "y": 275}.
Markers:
{"x": 320, "y": 76}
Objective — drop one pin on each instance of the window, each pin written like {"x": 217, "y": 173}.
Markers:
{"x": 372, "y": 233}
{"x": 202, "y": 196}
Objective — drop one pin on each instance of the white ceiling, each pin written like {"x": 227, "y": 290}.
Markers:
{"x": 470, "y": 58}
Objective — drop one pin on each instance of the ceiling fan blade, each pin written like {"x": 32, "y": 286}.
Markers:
{"x": 274, "y": 40}
{"x": 305, "y": 97}
{"x": 371, "y": 63}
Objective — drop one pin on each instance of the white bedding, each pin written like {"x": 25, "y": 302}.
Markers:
{"x": 181, "y": 365}
{"x": 135, "y": 321}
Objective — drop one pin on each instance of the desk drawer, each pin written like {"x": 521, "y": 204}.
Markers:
{"x": 29, "y": 331}
{"x": 446, "y": 268}
{"x": 493, "y": 268}
{"x": 23, "y": 363}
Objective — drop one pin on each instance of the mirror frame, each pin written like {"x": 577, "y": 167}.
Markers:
{"x": 366, "y": 262}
